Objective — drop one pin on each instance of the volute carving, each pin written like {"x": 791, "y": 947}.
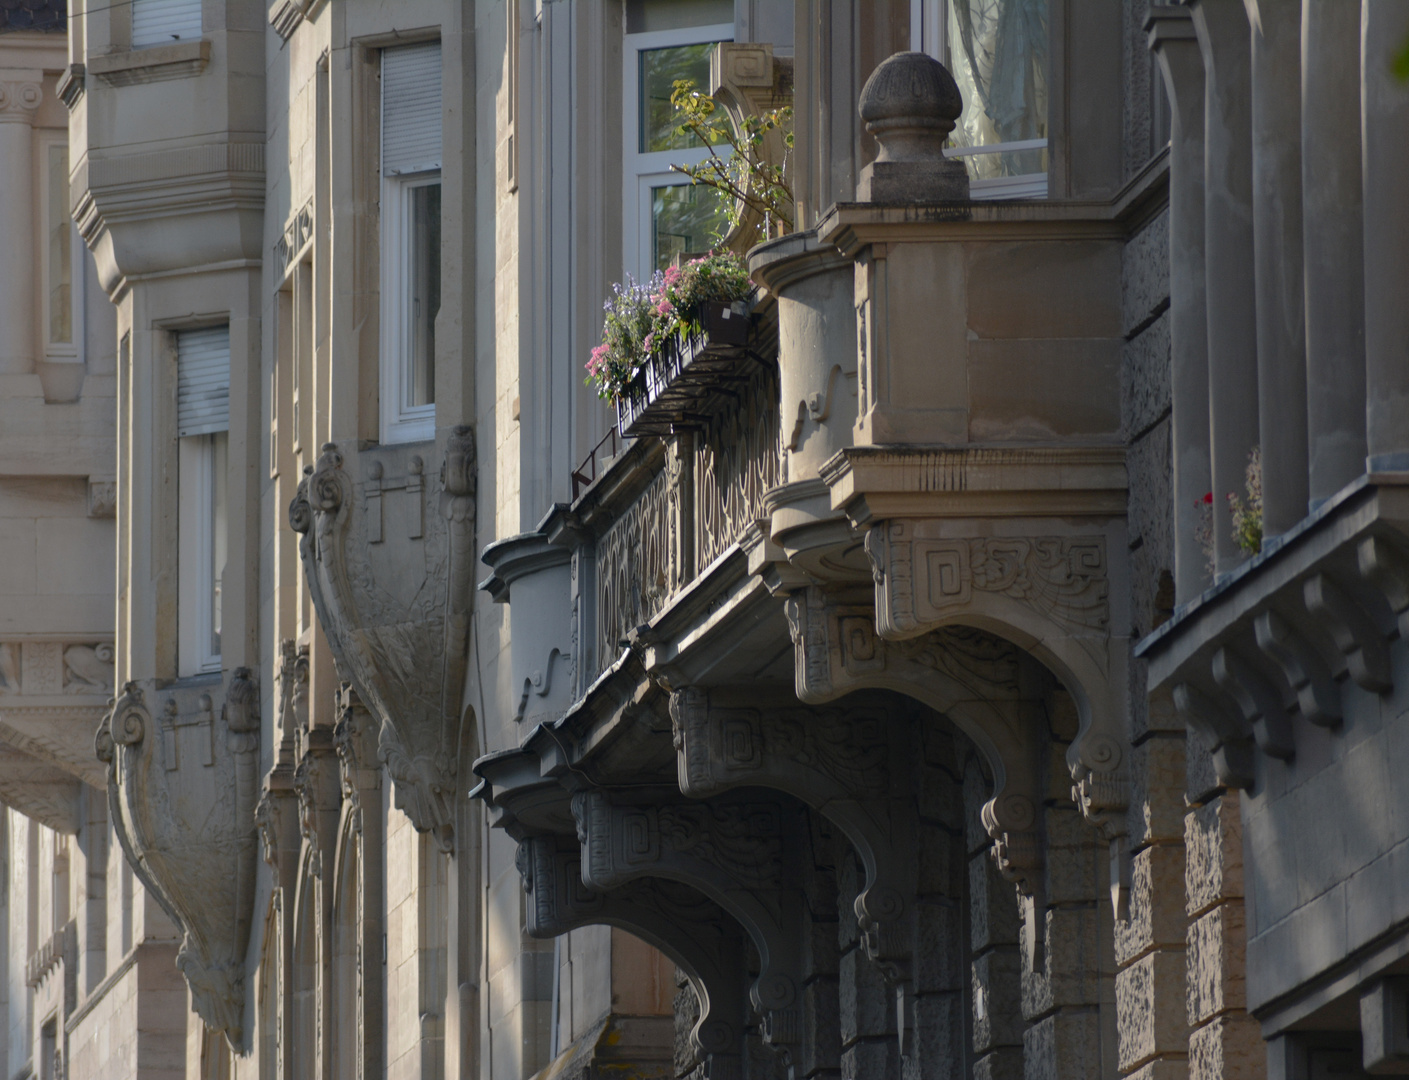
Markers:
{"x": 182, "y": 789}
{"x": 395, "y": 605}
{"x": 731, "y": 850}
{"x": 694, "y": 932}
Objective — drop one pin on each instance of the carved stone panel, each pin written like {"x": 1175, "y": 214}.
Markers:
{"x": 392, "y": 589}
{"x": 183, "y": 781}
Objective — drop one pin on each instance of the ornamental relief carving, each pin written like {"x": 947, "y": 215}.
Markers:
{"x": 1052, "y": 593}
{"x": 694, "y": 931}
{"x": 183, "y": 782}
{"x": 395, "y": 605}
{"x": 730, "y": 850}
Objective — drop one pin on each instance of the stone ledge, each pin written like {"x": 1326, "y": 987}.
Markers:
{"x": 179, "y": 60}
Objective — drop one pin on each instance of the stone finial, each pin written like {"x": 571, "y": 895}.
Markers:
{"x": 910, "y": 104}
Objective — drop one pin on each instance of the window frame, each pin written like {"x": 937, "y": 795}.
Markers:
{"x": 59, "y": 351}
{"x": 196, "y": 538}
{"x": 929, "y": 32}
{"x": 401, "y": 422}
{"x": 195, "y": 469}
{"x": 642, "y": 171}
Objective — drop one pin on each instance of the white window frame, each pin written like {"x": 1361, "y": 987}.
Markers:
{"x": 643, "y": 171}
{"x": 929, "y": 27}
{"x": 59, "y": 351}
{"x": 196, "y": 525}
{"x": 401, "y": 422}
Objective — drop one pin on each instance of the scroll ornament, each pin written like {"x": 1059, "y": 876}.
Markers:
{"x": 182, "y": 791}
{"x": 400, "y": 643}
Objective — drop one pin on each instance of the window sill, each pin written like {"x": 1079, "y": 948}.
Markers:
{"x": 179, "y": 60}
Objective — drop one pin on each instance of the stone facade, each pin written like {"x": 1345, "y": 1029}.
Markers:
{"x": 882, "y": 692}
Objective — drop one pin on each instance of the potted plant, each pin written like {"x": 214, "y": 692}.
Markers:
{"x": 667, "y": 345}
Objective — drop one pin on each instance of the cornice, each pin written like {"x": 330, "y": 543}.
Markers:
{"x": 175, "y": 61}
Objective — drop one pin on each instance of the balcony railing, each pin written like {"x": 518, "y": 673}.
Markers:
{"x": 688, "y": 381}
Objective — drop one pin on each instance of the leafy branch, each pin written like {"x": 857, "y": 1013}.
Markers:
{"x": 750, "y": 183}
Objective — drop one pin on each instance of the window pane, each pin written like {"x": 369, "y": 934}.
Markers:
{"x": 425, "y": 293}
{"x": 219, "y": 457}
{"x": 998, "y": 54}
{"x": 659, "y": 70}
{"x": 685, "y": 219}
{"x": 60, "y": 261}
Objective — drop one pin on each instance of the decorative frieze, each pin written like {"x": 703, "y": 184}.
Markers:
{"x": 183, "y": 781}
{"x": 396, "y": 607}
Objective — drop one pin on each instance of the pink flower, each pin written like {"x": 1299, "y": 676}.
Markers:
{"x": 664, "y": 307}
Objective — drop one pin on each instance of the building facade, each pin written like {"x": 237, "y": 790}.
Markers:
{"x": 986, "y": 663}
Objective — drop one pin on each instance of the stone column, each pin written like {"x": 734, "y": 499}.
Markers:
{"x": 1332, "y": 222}
{"x": 1224, "y": 41}
{"x": 1385, "y": 160}
{"x": 1176, "y": 47}
{"x": 1276, "y": 203}
{"x": 19, "y": 101}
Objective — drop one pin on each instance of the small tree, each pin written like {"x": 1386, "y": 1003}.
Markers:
{"x": 752, "y": 185}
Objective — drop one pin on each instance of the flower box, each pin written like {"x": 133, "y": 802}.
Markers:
{"x": 686, "y": 381}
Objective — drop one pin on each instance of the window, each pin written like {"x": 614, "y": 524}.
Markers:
{"x": 58, "y": 299}
{"x": 997, "y": 53}
{"x": 160, "y": 22}
{"x": 664, "y": 214}
{"x": 202, "y": 427}
{"x": 410, "y": 239}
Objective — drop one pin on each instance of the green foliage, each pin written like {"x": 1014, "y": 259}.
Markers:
{"x": 1247, "y": 515}
{"x": 748, "y": 181}
{"x": 642, "y": 319}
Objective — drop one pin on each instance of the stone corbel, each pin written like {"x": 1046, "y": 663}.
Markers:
{"x": 1048, "y": 594}
{"x": 398, "y": 633}
{"x": 748, "y": 80}
{"x": 729, "y": 849}
{"x": 694, "y": 932}
{"x": 849, "y": 764}
{"x": 183, "y": 782}
{"x": 1292, "y": 657}
{"x": 987, "y": 686}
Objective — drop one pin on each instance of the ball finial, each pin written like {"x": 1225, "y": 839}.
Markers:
{"x": 911, "y": 104}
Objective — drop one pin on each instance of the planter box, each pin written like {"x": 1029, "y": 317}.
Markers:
{"x": 686, "y": 382}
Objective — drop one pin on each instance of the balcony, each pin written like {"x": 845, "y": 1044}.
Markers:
{"x": 688, "y": 381}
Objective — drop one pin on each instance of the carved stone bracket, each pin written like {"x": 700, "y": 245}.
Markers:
{"x": 1288, "y": 655}
{"x": 987, "y": 686}
{"x": 182, "y": 788}
{"x": 693, "y": 931}
{"x": 396, "y": 607}
{"x": 849, "y": 764}
{"x": 731, "y": 850}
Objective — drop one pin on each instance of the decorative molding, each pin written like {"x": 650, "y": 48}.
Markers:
{"x": 20, "y": 100}
{"x": 217, "y": 158}
{"x": 398, "y": 633}
{"x": 71, "y": 85}
{"x": 693, "y": 931}
{"x": 186, "y": 822}
{"x": 731, "y": 850}
{"x": 60, "y": 948}
{"x": 179, "y": 60}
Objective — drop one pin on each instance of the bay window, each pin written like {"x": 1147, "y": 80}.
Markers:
{"x": 410, "y": 219}
{"x": 997, "y": 52}
{"x": 664, "y": 214}
{"x": 202, "y": 428}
